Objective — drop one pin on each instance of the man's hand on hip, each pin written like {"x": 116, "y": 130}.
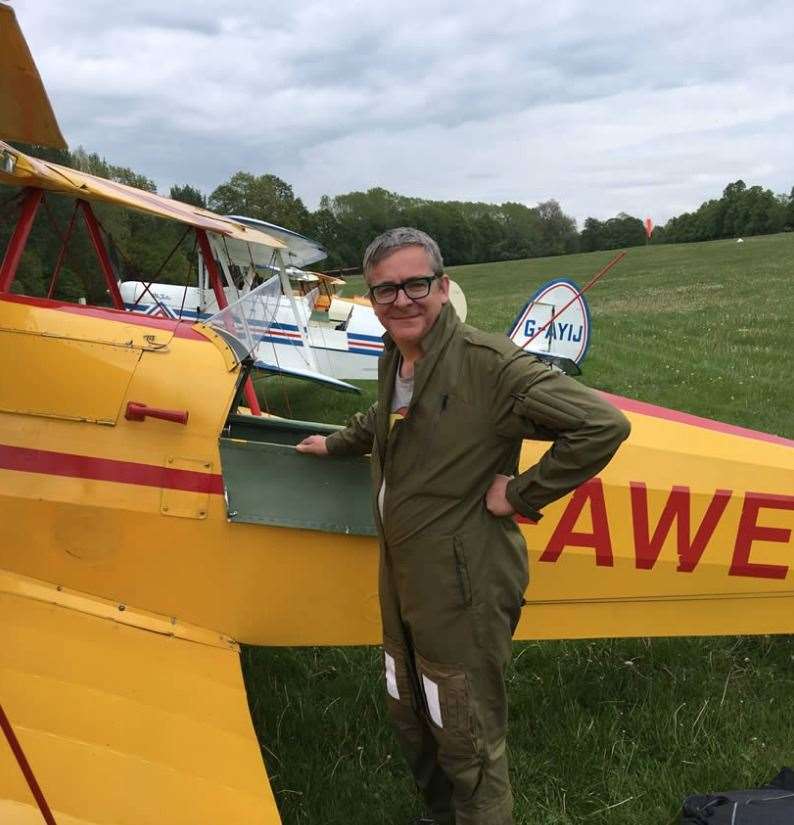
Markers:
{"x": 314, "y": 445}
{"x": 496, "y": 497}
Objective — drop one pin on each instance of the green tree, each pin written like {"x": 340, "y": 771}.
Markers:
{"x": 557, "y": 230}
{"x": 265, "y": 197}
{"x": 188, "y": 194}
{"x": 622, "y": 231}
{"x": 590, "y": 238}
{"x": 790, "y": 210}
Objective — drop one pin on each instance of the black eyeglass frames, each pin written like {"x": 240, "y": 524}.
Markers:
{"x": 414, "y": 288}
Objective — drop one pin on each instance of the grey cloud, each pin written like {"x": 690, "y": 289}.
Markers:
{"x": 518, "y": 100}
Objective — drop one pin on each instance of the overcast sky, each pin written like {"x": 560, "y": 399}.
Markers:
{"x": 648, "y": 108}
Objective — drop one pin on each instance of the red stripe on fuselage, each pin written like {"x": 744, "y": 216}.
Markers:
{"x": 355, "y": 342}
{"x": 27, "y": 460}
{"x": 181, "y": 329}
{"x": 630, "y": 405}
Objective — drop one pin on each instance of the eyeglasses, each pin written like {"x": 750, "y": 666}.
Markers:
{"x": 414, "y": 288}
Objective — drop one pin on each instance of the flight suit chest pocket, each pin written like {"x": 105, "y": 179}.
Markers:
{"x": 454, "y": 423}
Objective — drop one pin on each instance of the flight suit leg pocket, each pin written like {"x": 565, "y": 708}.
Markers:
{"x": 452, "y": 718}
{"x": 448, "y": 703}
{"x": 402, "y": 703}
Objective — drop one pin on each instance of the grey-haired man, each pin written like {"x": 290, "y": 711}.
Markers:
{"x": 454, "y": 405}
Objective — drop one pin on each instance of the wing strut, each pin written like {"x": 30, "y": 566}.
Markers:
{"x": 27, "y": 771}
{"x": 33, "y": 199}
{"x": 16, "y": 246}
{"x": 220, "y": 297}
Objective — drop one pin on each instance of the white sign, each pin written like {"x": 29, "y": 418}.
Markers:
{"x": 554, "y": 321}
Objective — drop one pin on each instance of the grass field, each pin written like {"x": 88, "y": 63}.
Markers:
{"x": 611, "y": 732}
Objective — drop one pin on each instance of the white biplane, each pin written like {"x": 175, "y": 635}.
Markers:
{"x": 314, "y": 333}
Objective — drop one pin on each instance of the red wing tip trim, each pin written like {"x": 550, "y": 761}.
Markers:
{"x": 27, "y": 460}
{"x": 643, "y": 408}
{"x": 181, "y": 329}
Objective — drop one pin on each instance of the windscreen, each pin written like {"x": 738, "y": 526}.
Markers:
{"x": 244, "y": 322}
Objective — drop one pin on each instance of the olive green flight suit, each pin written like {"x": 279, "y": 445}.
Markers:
{"x": 453, "y": 576}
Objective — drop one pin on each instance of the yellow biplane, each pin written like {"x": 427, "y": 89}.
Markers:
{"x": 146, "y": 528}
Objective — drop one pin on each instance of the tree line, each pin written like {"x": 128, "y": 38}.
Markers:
{"x": 475, "y": 232}
{"x": 143, "y": 247}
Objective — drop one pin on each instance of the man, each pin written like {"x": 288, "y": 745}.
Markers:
{"x": 454, "y": 404}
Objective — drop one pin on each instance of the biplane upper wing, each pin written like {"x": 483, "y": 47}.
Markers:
{"x": 301, "y": 251}
{"x": 20, "y": 169}
{"x": 124, "y": 717}
{"x": 25, "y": 110}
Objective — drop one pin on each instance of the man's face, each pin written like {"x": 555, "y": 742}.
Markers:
{"x": 406, "y": 320}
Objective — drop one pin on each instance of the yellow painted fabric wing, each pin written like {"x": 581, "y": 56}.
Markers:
{"x": 25, "y": 170}
{"x": 123, "y": 725}
{"x": 25, "y": 111}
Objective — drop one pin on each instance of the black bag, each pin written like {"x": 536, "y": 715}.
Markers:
{"x": 770, "y": 805}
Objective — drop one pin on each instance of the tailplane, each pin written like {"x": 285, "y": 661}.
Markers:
{"x": 554, "y": 325}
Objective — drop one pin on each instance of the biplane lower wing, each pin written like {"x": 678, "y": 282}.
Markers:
{"x": 122, "y": 724}
{"x": 307, "y": 375}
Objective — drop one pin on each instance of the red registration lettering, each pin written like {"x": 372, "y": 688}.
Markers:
{"x": 592, "y": 493}
{"x": 677, "y": 509}
{"x": 750, "y": 531}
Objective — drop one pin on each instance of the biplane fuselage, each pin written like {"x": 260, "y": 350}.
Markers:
{"x": 687, "y": 531}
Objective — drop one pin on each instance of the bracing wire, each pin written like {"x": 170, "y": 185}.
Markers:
{"x": 187, "y": 276}
{"x": 16, "y": 196}
{"x": 268, "y": 326}
{"x": 229, "y": 269}
{"x": 159, "y": 271}
{"x": 56, "y": 271}
{"x": 321, "y": 327}
{"x": 128, "y": 262}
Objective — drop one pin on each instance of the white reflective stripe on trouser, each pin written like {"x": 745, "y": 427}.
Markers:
{"x": 391, "y": 677}
{"x": 431, "y": 694}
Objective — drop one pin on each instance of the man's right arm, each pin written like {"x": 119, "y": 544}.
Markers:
{"x": 355, "y": 439}
{"x": 585, "y": 430}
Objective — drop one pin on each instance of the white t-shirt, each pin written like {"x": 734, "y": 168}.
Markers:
{"x": 401, "y": 400}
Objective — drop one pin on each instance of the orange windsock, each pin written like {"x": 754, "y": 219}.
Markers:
{"x": 648, "y": 224}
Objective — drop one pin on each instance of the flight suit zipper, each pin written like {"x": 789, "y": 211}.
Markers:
{"x": 462, "y": 571}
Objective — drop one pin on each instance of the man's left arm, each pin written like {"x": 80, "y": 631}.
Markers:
{"x": 542, "y": 403}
